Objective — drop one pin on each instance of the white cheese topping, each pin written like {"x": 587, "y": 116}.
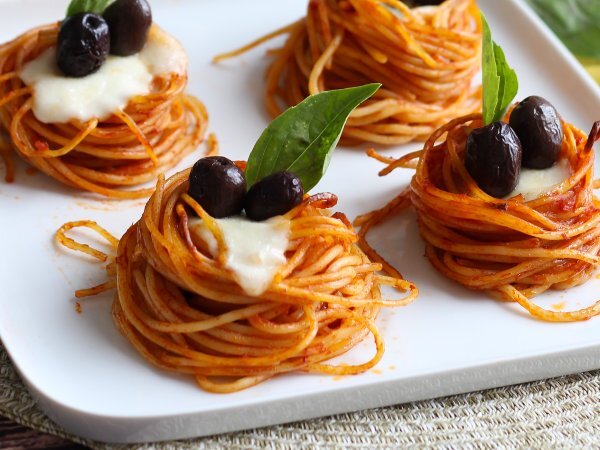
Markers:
{"x": 163, "y": 54}
{"x": 255, "y": 250}
{"x": 59, "y": 99}
{"x": 533, "y": 183}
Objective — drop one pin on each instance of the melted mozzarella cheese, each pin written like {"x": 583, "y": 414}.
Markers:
{"x": 163, "y": 54}
{"x": 255, "y": 251}
{"x": 59, "y": 99}
{"x": 533, "y": 182}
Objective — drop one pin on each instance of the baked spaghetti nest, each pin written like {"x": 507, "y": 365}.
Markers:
{"x": 510, "y": 248}
{"x": 184, "y": 311}
{"x": 106, "y": 156}
{"x": 426, "y": 59}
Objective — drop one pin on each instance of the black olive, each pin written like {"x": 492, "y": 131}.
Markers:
{"x": 273, "y": 195}
{"x": 83, "y": 44}
{"x": 493, "y": 158}
{"x": 218, "y": 185}
{"x": 539, "y": 128}
{"x": 129, "y": 22}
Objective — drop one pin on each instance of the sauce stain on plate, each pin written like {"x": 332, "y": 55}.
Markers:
{"x": 108, "y": 206}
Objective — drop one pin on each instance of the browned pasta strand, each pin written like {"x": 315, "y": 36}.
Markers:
{"x": 425, "y": 58}
{"x": 184, "y": 312}
{"x": 510, "y": 248}
{"x": 152, "y": 134}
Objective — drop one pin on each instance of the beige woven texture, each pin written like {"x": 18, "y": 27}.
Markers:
{"x": 558, "y": 413}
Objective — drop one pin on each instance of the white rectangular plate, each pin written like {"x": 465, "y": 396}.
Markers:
{"x": 89, "y": 380}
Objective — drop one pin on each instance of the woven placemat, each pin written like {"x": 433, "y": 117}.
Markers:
{"x": 558, "y": 413}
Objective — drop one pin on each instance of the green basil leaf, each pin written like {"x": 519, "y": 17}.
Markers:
{"x": 301, "y": 140}
{"x": 576, "y": 23}
{"x": 500, "y": 83}
{"x": 509, "y": 84}
{"x": 91, "y": 6}
{"x": 490, "y": 78}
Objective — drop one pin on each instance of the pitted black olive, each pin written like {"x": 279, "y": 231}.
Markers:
{"x": 273, "y": 195}
{"x": 129, "y": 22}
{"x": 83, "y": 44}
{"x": 218, "y": 185}
{"x": 493, "y": 158}
{"x": 540, "y": 131}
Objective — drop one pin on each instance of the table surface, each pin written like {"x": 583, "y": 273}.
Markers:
{"x": 16, "y": 437}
